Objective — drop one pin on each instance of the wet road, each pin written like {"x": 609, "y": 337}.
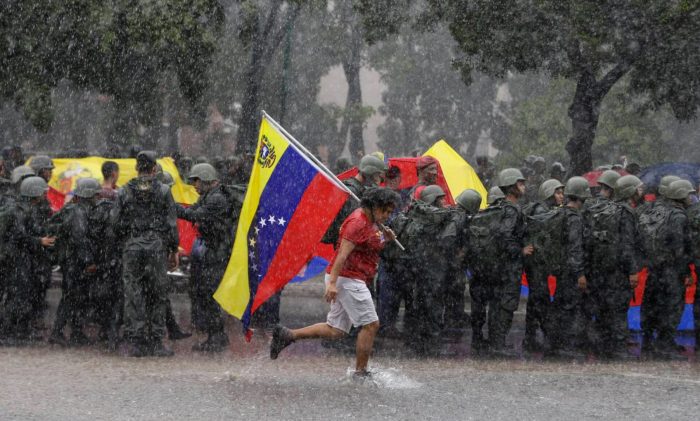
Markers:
{"x": 310, "y": 381}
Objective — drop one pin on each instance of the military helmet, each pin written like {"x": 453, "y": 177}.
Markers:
{"x": 495, "y": 193}
{"x": 41, "y": 162}
{"x": 371, "y": 165}
{"x": 577, "y": 187}
{"x": 33, "y": 187}
{"x": 548, "y": 188}
{"x": 626, "y": 186}
{"x": 665, "y": 182}
{"x": 20, "y": 173}
{"x": 608, "y": 178}
{"x": 430, "y": 193}
{"x": 679, "y": 190}
{"x": 204, "y": 172}
{"x": 146, "y": 160}
{"x": 87, "y": 187}
{"x": 509, "y": 177}
{"x": 469, "y": 200}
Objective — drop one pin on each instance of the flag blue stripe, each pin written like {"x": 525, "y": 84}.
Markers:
{"x": 277, "y": 205}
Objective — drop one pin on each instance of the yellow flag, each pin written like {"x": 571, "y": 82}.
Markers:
{"x": 68, "y": 170}
{"x": 458, "y": 173}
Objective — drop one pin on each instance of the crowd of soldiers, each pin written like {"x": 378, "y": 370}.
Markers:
{"x": 545, "y": 230}
{"x": 114, "y": 247}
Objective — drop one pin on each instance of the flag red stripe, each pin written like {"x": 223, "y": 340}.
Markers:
{"x": 320, "y": 202}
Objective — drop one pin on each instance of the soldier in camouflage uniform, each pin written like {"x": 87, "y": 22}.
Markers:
{"x": 614, "y": 261}
{"x": 668, "y": 254}
{"x": 145, "y": 219}
{"x": 550, "y": 196}
{"x": 76, "y": 257}
{"x": 216, "y": 216}
{"x": 468, "y": 204}
{"x": 41, "y": 269}
{"x": 19, "y": 247}
{"x": 565, "y": 319}
{"x": 496, "y": 284}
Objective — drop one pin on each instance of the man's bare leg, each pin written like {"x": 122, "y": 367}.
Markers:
{"x": 319, "y": 330}
{"x": 365, "y": 342}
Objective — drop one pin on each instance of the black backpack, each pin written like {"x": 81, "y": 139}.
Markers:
{"x": 545, "y": 231}
{"x": 485, "y": 249}
{"x": 423, "y": 233}
{"x": 7, "y": 218}
{"x": 654, "y": 233}
{"x": 694, "y": 223}
{"x": 603, "y": 243}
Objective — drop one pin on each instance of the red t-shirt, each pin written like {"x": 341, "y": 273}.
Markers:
{"x": 368, "y": 240}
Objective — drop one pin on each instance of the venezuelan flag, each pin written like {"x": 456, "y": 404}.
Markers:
{"x": 289, "y": 204}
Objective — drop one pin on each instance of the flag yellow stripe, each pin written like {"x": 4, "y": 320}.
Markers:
{"x": 233, "y": 293}
{"x": 69, "y": 170}
{"x": 458, "y": 173}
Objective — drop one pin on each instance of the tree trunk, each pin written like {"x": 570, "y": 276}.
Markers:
{"x": 584, "y": 113}
{"x": 352, "y": 73}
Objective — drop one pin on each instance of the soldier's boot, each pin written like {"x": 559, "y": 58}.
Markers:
{"x": 175, "y": 333}
{"x": 530, "y": 343}
{"x": 135, "y": 349}
{"x": 57, "y": 338}
{"x": 479, "y": 343}
{"x": 160, "y": 350}
{"x": 78, "y": 338}
{"x": 216, "y": 342}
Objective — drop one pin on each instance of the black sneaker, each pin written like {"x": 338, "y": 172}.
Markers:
{"x": 361, "y": 376}
{"x": 281, "y": 338}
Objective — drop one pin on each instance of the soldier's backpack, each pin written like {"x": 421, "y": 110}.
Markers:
{"x": 423, "y": 232}
{"x": 603, "y": 246}
{"x": 654, "y": 233}
{"x": 485, "y": 249}
{"x": 235, "y": 194}
{"x": 694, "y": 222}
{"x": 6, "y": 221}
{"x": 546, "y": 231}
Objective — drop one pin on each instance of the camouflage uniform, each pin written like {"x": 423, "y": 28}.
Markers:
{"x": 608, "y": 280}
{"x": 146, "y": 222}
{"x": 565, "y": 321}
{"x": 75, "y": 251}
{"x": 662, "y": 306}
{"x": 216, "y": 221}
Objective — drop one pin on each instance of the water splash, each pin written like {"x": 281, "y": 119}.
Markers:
{"x": 385, "y": 378}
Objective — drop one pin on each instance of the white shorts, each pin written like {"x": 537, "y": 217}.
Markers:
{"x": 353, "y": 306}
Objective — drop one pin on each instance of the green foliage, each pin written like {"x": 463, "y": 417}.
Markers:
{"x": 541, "y": 126}
{"x": 124, "y": 48}
{"x": 425, "y": 99}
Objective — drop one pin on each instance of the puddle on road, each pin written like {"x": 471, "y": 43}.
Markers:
{"x": 385, "y": 378}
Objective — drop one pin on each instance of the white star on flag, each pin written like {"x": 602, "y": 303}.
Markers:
{"x": 271, "y": 219}
{"x": 262, "y": 222}
{"x": 281, "y": 221}
{"x": 251, "y": 254}
{"x": 252, "y": 242}
{"x": 257, "y": 230}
